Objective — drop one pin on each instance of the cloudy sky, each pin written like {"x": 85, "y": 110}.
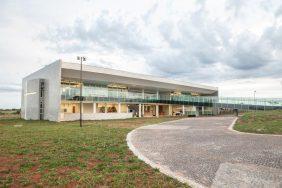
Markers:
{"x": 235, "y": 45}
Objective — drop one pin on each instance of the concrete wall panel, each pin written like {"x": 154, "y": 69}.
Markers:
{"x": 52, "y": 74}
{"x": 97, "y": 116}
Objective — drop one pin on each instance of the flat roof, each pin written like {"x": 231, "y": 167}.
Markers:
{"x": 149, "y": 79}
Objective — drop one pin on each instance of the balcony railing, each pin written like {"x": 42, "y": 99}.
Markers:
{"x": 104, "y": 94}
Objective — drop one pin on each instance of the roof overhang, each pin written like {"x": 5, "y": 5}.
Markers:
{"x": 133, "y": 80}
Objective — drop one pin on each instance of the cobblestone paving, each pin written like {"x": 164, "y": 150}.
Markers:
{"x": 205, "y": 151}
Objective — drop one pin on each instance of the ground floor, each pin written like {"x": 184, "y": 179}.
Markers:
{"x": 70, "y": 110}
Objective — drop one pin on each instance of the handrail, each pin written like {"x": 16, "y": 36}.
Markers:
{"x": 104, "y": 94}
{"x": 195, "y": 101}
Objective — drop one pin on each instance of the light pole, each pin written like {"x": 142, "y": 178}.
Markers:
{"x": 81, "y": 58}
{"x": 255, "y": 104}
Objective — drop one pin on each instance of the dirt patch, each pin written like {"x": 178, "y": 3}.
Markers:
{"x": 9, "y": 164}
{"x": 4, "y": 169}
{"x": 113, "y": 155}
{"x": 36, "y": 177}
{"x": 92, "y": 163}
{"x": 34, "y": 169}
{"x": 72, "y": 184}
{"x": 6, "y": 160}
{"x": 66, "y": 169}
{"x": 9, "y": 116}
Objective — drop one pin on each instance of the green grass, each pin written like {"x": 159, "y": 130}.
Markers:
{"x": 8, "y": 114}
{"x": 42, "y": 153}
{"x": 264, "y": 122}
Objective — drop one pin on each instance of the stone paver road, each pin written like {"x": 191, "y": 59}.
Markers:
{"x": 204, "y": 152}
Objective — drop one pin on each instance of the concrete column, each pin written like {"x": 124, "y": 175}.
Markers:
{"x": 157, "y": 110}
{"x": 106, "y": 109}
{"x": 140, "y": 110}
{"x": 183, "y": 109}
{"x": 94, "y": 107}
{"x": 194, "y": 109}
{"x": 143, "y": 94}
{"x": 203, "y": 109}
{"x": 119, "y": 107}
{"x": 158, "y": 97}
{"x": 170, "y": 110}
{"x": 197, "y": 111}
{"x": 143, "y": 110}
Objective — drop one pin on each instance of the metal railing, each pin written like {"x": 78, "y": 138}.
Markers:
{"x": 101, "y": 93}
{"x": 211, "y": 101}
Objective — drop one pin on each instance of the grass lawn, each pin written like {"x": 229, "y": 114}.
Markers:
{"x": 9, "y": 114}
{"x": 42, "y": 153}
{"x": 265, "y": 122}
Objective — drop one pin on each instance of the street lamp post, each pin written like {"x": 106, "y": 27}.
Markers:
{"x": 254, "y": 110}
{"x": 81, "y": 58}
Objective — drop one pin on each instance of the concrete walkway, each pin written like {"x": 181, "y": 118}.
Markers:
{"x": 204, "y": 153}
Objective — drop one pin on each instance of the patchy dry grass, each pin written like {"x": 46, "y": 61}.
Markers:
{"x": 264, "y": 122}
{"x": 9, "y": 113}
{"x": 42, "y": 153}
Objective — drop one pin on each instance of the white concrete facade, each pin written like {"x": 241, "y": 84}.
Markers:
{"x": 95, "y": 116}
{"x": 71, "y": 70}
{"x": 54, "y": 74}
{"x": 30, "y": 93}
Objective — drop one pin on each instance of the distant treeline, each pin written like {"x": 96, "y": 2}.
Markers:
{"x": 10, "y": 111}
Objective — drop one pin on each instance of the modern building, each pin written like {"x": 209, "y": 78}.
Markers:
{"x": 52, "y": 93}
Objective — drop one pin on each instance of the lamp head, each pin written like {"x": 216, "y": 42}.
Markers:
{"x": 81, "y": 58}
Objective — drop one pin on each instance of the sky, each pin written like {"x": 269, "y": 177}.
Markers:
{"x": 235, "y": 45}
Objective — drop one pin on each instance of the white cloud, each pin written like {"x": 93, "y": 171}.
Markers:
{"x": 264, "y": 87}
{"x": 201, "y": 41}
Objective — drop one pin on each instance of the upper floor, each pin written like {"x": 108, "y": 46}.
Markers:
{"x": 104, "y": 82}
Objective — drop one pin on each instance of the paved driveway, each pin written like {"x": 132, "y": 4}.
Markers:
{"x": 204, "y": 152}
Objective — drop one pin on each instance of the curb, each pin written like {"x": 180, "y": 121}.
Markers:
{"x": 231, "y": 128}
{"x": 163, "y": 169}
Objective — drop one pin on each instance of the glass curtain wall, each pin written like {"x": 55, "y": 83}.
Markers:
{"x": 71, "y": 91}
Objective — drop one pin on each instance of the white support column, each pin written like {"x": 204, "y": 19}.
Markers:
{"x": 183, "y": 109}
{"x": 194, "y": 109}
{"x": 143, "y": 94}
{"x": 94, "y": 107}
{"x": 203, "y": 110}
{"x": 143, "y": 110}
{"x": 106, "y": 109}
{"x": 140, "y": 110}
{"x": 157, "y": 110}
{"x": 119, "y": 107}
{"x": 158, "y": 97}
{"x": 170, "y": 110}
